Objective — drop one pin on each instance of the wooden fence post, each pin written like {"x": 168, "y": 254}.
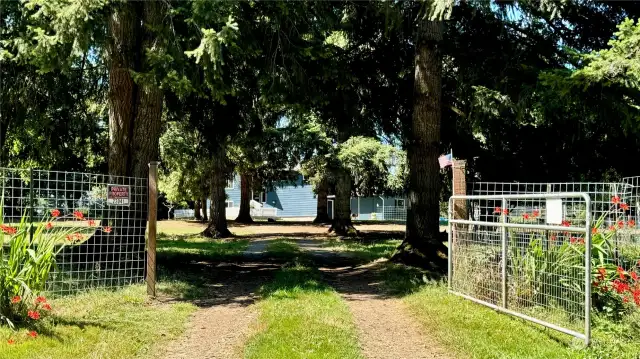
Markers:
{"x": 153, "y": 217}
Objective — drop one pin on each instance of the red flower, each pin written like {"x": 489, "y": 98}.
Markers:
{"x": 41, "y": 299}
{"x": 46, "y": 306}
{"x": 8, "y": 229}
{"x": 78, "y": 236}
{"x": 620, "y": 224}
{"x": 107, "y": 229}
{"x": 620, "y": 287}
{"x": 581, "y": 241}
{"x": 625, "y": 300}
{"x": 505, "y": 212}
{"x": 573, "y": 240}
{"x": 16, "y": 299}
{"x": 32, "y": 334}
{"x": 594, "y": 230}
{"x": 55, "y": 213}
{"x": 91, "y": 223}
{"x": 602, "y": 272}
{"x": 553, "y": 237}
{"x": 78, "y": 215}
{"x": 631, "y": 223}
{"x": 624, "y": 206}
{"x": 566, "y": 223}
{"x": 620, "y": 272}
{"x": 11, "y": 341}
{"x": 612, "y": 228}
{"x": 536, "y": 213}
{"x": 636, "y": 296}
{"x": 615, "y": 199}
{"x": 634, "y": 276}
{"x": 498, "y": 210}
{"x": 69, "y": 238}
{"x": 33, "y": 314}
{"x": 49, "y": 225}
{"x": 525, "y": 216}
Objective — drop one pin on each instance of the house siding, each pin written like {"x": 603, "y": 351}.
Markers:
{"x": 299, "y": 200}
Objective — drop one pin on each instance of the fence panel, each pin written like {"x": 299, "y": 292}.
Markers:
{"x": 530, "y": 258}
{"x": 108, "y": 247}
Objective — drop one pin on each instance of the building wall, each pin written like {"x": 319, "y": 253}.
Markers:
{"x": 300, "y": 201}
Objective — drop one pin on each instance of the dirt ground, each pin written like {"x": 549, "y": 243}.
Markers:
{"x": 225, "y": 318}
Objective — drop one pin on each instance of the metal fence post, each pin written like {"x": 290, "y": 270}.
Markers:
{"x": 587, "y": 274}
{"x": 153, "y": 216}
{"x": 504, "y": 253}
{"x": 31, "y": 204}
{"x": 450, "y": 245}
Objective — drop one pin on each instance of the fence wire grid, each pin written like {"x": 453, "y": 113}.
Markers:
{"x": 527, "y": 256}
{"x": 106, "y": 244}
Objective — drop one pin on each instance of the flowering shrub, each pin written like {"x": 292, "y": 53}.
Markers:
{"x": 615, "y": 290}
{"x": 27, "y": 256}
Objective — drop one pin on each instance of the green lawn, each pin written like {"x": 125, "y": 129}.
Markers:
{"x": 300, "y": 317}
{"x": 365, "y": 251}
{"x": 470, "y": 330}
{"x": 100, "y": 324}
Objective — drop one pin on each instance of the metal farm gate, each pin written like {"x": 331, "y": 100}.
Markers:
{"x": 528, "y": 255}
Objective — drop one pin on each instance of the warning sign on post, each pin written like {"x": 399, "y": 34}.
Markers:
{"x": 118, "y": 195}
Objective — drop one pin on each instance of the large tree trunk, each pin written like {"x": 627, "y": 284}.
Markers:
{"x": 217, "y": 227}
{"x": 134, "y": 130}
{"x": 196, "y": 210}
{"x": 423, "y": 243}
{"x": 322, "y": 212}
{"x": 246, "y": 184}
{"x": 342, "y": 220}
{"x": 205, "y": 209}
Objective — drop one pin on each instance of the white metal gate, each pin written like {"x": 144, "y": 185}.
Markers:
{"x": 530, "y": 257}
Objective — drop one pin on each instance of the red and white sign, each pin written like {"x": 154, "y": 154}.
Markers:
{"x": 118, "y": 195}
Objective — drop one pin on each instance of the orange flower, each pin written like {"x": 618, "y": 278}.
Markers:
{"x": 33, "y": 314}
{"x": 8, "y": 229}
{"x": 69, "y": 238}
{"x": 615, "y": 199}
{"x": 107, "y": 229}
{"x": 16, "y": 299}
{"x": 612, "y": 228}
{"x": 631, "y": 223}
{"x": 536, "y": 213}
{"x": 55, "y": 213}
{"x": 620, "y": 224}
{"x": 41, "y": 299}
{"x": 624, "y": 206}
{"x": 49, "y": 225}
{"x": 11, "y": 341}
{"x": 32, "y": 334}
{"x": 553, "y": 237}
{"x": 78, "y": 215}
{"x": 634, "y": 275}
{"x": 505, "y": 212}
{"x": 498, "y": 210}
{"x": 525, "y": 216}
{"x": 46, "y": 306}
{"x": 594, "y": 230}
{"x": 91, "y": 223}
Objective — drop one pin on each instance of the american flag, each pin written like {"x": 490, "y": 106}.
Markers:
{"x": 445, "y": 160}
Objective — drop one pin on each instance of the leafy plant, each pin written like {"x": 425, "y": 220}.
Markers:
{"x": 28, "y": 257}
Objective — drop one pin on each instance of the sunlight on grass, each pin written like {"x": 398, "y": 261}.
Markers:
{"x": 100, "y": 324}
{"x": 202, "y": 248}
{"x": 300, "y": 317}
{"x": 365, "y": 251}
{"x": 471, "y": 330}
{"x": 283, "y": 249}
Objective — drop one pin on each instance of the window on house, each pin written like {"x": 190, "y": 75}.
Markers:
{"x": 230, "y": 183}
{"x": 398, "y": 202}
{"x": 260, "y": 197}
{"x": 228, "y": 204}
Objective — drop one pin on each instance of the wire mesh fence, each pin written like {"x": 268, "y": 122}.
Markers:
{"x": 183, "y": 214}
{"x": 529, "y": 255}
{"x": 613, "y": 205}
{"x": 391, "y": 214}
{"x": 105, "y": 218}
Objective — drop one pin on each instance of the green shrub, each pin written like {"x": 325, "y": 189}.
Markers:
{"x": 27, "y": 258}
